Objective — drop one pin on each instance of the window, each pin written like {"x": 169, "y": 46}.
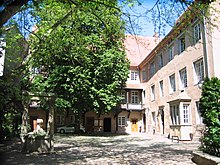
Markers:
{"x": 183, "y": 78}
{"x": 72, "y": 119}
{"x": 160, "y": 60}
{"x": 60, "y": 120}
{"x": 199, "y": 71}
{"x": 152, "y": 69}
{"x": 199, "y": 119}
{"x": 121, "y": 121}
{"x": 181, "y": 44}
{"x": 197, "y": 33}
{"x": 171, "y": 52}
{"x": 134, "y": 75}
{"x": 123, "y": 97}
{"x": 144, "y": 75}
{"x": 172, "y": 83}
{"x": 185, "y": 113}
{"x": 161, "y": 88}
{"x": 153, "y": 92}
{"x": 175, "y": 115}
{"x": 134, "y": 97}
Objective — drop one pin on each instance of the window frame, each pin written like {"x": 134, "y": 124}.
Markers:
{"x": 153, "y": 96}
{"x": 186, "y": 114}
{"x": 121, "y": 121}
{"x": 197, "y": 32}
{"x": 183, "y": 78}
{"x": 144, "y": 75}
{"x": 161, "y": 85}
{"x": 172, "y": 83}
{"x": 134, "y": 75}
{"x": 60, "y": 121}
{"x": 182, "y": 43}
{"x": 175, "y": 114}
{"x": 134, "y": 97}
{"x": 160, "y": 57}
{"x": 171, "y": 52}
{"x": 199, "y": 71}
{"x": 152, "y": 68}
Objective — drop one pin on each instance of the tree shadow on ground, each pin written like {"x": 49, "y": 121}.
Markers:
{"x": 104, "y": 149}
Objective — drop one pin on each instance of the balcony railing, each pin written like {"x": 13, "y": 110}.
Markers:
{"x": 130, "y": 106}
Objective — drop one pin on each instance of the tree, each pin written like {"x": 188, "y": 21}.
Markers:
{"x": 82, "y": 60}
{"x": 10, "y": 87}
{"x": 210, "y": 111}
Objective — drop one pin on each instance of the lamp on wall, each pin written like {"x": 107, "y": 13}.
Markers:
{"x": 200, "y": 84}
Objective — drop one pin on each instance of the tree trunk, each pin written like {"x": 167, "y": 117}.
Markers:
{"x": 10, "y": 10}
{"x": 25, "y": 117}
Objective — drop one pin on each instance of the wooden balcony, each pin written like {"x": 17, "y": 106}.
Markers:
{"x": 130, "y": 106}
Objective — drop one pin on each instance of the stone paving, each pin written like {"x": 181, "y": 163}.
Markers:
{"x": 140, "y": 149}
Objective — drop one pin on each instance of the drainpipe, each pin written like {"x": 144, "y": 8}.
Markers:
{"x": 205, "y": 48}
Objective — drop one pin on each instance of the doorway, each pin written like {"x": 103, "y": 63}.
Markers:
{"x": 134, "y": 125}
{"x": 107, "y": 124}
{"x": 90, "y": 124}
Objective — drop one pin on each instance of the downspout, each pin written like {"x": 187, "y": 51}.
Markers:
{"x": 204, "y": 40}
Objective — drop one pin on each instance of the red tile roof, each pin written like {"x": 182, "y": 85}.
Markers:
{"x": 138, "y": 47}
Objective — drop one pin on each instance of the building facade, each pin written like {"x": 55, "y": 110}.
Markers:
{"x": 173, "y": 72}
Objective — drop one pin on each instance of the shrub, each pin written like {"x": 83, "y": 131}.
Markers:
{"x": 210, "y": 111}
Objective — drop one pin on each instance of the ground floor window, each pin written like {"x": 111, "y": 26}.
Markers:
{"x": 186, "y": 113}
{"x": 180, "y": 114}
{"x": 60, "y": 120}
{"x": 121, "y": 120}
{"x": 175, "y": 114}
{"x": 199, "y": 119}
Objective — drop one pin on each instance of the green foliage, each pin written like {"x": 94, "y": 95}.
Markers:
{"x": 81, "y": 59}
{"x": 10, "y": 89}
{"x": 210, "y": 106}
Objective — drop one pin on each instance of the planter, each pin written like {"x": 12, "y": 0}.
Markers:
{"x": 41, "y": 144}
{"x": 202, "y": 158}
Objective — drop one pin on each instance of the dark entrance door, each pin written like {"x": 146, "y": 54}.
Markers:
{"x": 107, "y": 124}
{"x": 162, "y": 119}
{"x": 89, "y": 124}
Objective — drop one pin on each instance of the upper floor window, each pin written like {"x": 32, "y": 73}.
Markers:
{"x": 183, "y": 78}
{"x": 144, "y": 75}
{"x": 123, "y": 97}
{"x": 197, "y": 33}
{"x": 161, "y": 88}
{"x": 134, "y": 97}
{"x": 134, "y": 75}
{"x": 153, "y": 92}
{"x": 171, "y": 52}
{"x": 160, "y": 60}
{"x": 152, "y": 69}
{"x": 172, "y": 83}
{"x": 182, "y": 44}
{"x": 199, "y": 71}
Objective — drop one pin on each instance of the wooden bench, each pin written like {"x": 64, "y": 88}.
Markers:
{"x": 175, "y": 138}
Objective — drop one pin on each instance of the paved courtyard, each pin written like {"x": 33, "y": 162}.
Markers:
{"x": 106, "y": 150}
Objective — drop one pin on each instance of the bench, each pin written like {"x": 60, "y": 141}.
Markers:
{"x": 175, "y": 138}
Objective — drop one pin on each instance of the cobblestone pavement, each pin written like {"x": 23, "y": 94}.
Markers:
{"x": 140, "y": 149}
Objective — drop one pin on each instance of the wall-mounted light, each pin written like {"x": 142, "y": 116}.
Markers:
{"x": 200, "y": 84}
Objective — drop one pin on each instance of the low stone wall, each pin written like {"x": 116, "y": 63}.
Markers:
{"x": 202, "y": 158}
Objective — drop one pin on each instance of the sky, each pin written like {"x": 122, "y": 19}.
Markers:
{"x": 147, "y": 27}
